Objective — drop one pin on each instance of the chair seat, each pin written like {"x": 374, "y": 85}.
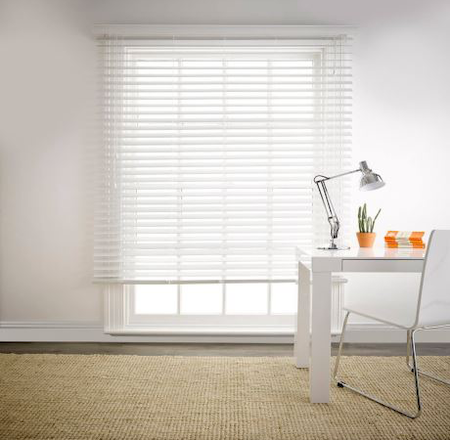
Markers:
{"x": 398, "y": 310}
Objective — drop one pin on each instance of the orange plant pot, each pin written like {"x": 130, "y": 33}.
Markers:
{"x": 366, "y": 239}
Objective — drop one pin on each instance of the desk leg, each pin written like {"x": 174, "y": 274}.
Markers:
{"x": 319, "y": 367}
{"x": 302, "y": 336}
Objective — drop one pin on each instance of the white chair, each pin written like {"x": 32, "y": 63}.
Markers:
{"x": 428, "y": 308}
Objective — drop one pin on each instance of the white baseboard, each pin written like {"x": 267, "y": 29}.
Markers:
{"x": 379, "y": 333}
{"x": 94, "y": 332}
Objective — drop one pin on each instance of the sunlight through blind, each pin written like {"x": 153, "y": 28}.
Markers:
{"x": 209, "y": 148}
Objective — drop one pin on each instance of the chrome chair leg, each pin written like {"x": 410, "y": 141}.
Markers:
{"x": 341, "y": 343}
{"x": 415, "y": 370}
{"x": 412, "y": 350}
{"x": 408, "y": 348}
{"x": 424, "y": 373}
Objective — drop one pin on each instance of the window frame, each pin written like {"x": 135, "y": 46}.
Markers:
{"x": 120, "y": 319}
{"x": 119, "y": 306}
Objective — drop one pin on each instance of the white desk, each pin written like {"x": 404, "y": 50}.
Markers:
{"x": 315, "y": 268}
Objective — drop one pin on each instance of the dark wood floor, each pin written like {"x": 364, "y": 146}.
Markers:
{"x": 209, "y": 349}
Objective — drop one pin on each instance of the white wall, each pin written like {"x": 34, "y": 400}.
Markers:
{"x": 401, "y": 127}
{"x": 45, "y": 224}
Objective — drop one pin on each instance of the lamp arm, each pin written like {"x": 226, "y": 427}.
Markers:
{"x": 332, "y": 216}
{"x": 322, "y": 178}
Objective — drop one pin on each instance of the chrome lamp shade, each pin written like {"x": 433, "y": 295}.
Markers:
{"x": 369, "y": 181}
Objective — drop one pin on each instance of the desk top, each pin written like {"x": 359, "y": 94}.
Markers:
{"x": 357, "y": 253}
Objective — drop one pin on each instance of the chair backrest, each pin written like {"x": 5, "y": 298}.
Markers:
{"x": 434, "y": 297}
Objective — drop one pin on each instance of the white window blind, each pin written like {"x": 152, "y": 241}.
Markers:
{"x": 209, "y": 148}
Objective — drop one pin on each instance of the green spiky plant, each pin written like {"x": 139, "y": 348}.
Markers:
{"x": 366, "y": 224}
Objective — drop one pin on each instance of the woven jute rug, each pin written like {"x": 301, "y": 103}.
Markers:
{"x": 193, "y": 398}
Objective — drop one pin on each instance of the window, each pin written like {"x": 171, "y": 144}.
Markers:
{"x": 209, "y": 150}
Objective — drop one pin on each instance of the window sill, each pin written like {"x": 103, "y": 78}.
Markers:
{"x": 203, "y": 330}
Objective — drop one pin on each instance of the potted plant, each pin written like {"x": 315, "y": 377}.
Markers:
{"x": 366, "y": 236}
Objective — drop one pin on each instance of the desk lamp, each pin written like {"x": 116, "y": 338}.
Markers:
{"x": 369, "y": 181}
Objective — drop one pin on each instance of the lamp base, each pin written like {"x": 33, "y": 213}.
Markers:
{"x": 334, "y": 248}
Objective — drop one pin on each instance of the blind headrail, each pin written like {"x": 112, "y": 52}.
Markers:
{"x": 236, "y": 32}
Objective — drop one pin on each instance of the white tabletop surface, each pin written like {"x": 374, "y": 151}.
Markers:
{"x": 356, "y": 252}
